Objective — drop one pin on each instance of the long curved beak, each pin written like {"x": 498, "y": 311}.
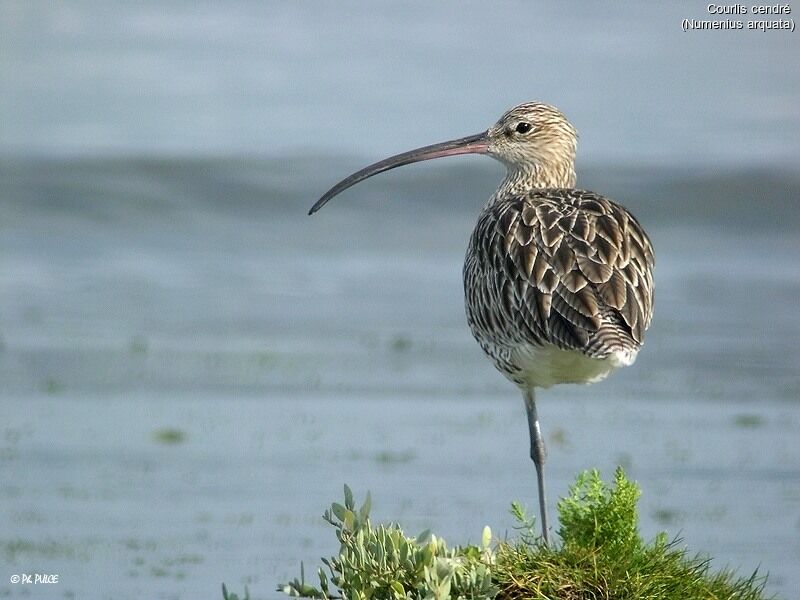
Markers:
{"x": 472, "y": 144}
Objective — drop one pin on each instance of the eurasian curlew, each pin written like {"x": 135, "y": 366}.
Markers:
{"x": 558, "y": 281}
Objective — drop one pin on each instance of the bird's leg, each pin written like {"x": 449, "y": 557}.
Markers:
{"x": 538, "y": 455}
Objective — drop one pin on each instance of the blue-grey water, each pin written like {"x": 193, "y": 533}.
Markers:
{"x": 190, "y": 367}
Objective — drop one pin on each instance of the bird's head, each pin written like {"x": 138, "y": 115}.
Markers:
{"x": 535, "y": 141}
{"x": 532, "y": 135}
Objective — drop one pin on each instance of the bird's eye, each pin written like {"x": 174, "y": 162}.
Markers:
{"x": 523, "y": 127}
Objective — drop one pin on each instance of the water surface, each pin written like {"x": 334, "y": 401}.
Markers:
{"x": 192, "y": 367}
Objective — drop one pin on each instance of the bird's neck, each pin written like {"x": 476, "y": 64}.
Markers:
{"x": 521, "y": 179}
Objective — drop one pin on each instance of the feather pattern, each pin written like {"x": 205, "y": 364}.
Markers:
{"x": 561, "y": 268}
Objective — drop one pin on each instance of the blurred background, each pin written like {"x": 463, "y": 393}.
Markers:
{"x": 190, "y": 367}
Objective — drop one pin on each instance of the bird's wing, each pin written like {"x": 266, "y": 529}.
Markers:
{"x": 563, "y": 267}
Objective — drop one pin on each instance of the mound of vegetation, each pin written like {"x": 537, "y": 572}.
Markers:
{"x": 600, "y": 556}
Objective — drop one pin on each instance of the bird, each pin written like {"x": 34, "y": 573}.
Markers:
{"x": 558, "y": 281}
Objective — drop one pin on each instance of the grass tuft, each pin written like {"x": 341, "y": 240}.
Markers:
{"x": 601, "y": 556}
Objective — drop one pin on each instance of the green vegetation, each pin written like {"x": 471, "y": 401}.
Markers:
{"x": 382, "y": 562}
{"x": 748, "y": 420}
{"x": 52, "y": 386}
{"x": 138, "y": 345}
{"x": 388, "y": 457}
{"x": 601, "y": 556}
{"x": 169, "y": 436}
{"x": 400, "y": 343}
{"x": 21, "y": 551}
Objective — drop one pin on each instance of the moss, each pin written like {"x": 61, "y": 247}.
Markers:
{"x": 400, "y": 343}
{"x": 169, "y": 436}
{"x": 52, "y": 386}
{"x": 603, "y": 556}
{"x": 138, "y": 345}
{"x": 18, "y": 550}
{"x": 388, "y": 457}
{"x": 748, "y": 421}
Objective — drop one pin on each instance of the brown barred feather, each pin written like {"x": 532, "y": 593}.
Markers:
{"x": 573, "y": 265}
{"x": 574, "y": 281}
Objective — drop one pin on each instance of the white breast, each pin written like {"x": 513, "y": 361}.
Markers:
{"x": 545, "y": 366}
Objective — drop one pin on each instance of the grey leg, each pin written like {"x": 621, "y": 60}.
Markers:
{"x": 538, "y": 455}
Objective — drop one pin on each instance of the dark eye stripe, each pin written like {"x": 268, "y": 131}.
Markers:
{"x": 523, "y": 127}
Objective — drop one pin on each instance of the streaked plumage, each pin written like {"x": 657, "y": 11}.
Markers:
{"x": 558, "y": 281}
{"x": 562, "y": 268}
